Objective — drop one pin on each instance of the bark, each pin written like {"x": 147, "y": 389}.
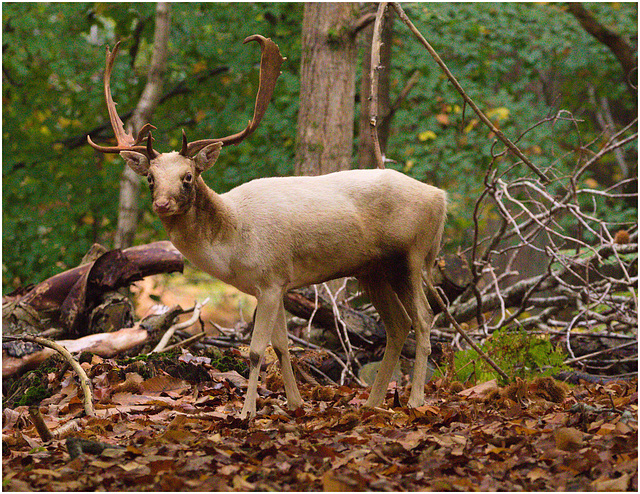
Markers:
{"x": 128, "y": 211}
{"x": 327, "y": 88}
{"x": 366, "y": 156}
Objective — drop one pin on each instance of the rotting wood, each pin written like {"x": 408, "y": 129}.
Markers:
{"x": 67, "y": 299}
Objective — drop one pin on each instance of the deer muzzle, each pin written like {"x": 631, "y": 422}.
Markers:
{"x": 163, "y": 206}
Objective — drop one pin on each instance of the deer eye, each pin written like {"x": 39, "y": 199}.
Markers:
{"x": 150, "y": 180}
{"x": 187, "y": 180}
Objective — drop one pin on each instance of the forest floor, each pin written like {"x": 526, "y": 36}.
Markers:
{"x": 182, "y": 433}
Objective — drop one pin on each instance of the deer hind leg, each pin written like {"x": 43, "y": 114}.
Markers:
{"x": 280, "y": 346}
{"x": 397, "y": 324}
{"x": 413, "y": 299}
{"x": 266, "y": 317}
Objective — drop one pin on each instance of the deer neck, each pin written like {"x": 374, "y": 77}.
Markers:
{"x": 209, "y": 219}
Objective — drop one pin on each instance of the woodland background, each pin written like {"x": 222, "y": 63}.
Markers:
{"x": 520, "y": 62}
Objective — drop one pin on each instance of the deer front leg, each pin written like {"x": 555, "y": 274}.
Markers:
{"x": 266, "y": 316}
{"x": 281, "y": 347}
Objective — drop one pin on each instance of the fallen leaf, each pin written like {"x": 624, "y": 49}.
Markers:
{"x": 608, "y": 485}
{"x": 479, "y": 390}
{"x": 568, "y": 439}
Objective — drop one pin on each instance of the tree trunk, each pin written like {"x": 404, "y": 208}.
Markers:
{"x": 129, "y": 210}
{"x": 366, "y": 155}
{"x": 327, "y": 88}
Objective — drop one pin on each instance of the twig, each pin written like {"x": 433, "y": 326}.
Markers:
{"x": 339, "y": 322}
{"x": 169, "y": 333}
{"x": 38, "y": 421}
{"x": 595, "y": 354}
{"x": 464, "y": 335}
{"x": 375, "y": 70}
{"x": 332, "y": 355}
{"x": 85, "y": 383}
{"x": 185, "y": 342}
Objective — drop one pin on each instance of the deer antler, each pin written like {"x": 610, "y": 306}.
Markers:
{"x": 270, "y": 63}
{"x": 125, "y": 140}
{"x": 269, "y": 71}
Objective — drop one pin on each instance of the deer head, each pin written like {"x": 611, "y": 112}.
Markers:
{"x": 172, "y": 175}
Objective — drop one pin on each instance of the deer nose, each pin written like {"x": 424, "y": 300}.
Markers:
{"x": 162, "y": 205}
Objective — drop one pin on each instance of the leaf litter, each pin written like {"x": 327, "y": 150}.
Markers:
{"x": 167, "y": 432}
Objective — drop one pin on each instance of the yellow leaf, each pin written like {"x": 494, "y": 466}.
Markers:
{"x": 471, "y": 125}
{"x": 427, "y": 135}
{"x": 590, "y": 182}
{"x": 500, "y": 113}
{"x": 408, "y": 166}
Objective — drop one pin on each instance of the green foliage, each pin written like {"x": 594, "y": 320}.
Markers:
{"x": 59, "y": 196}
{"x": 518, "y": 354}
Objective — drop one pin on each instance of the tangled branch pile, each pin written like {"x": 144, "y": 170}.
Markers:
{"x": 586, "y": 264}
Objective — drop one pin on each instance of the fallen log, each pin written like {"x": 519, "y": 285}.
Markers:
{"x": 105, "y": 345}
{"x": 67, "y": 299}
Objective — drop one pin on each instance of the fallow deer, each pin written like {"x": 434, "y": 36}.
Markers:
{"x": 270, "y": 235}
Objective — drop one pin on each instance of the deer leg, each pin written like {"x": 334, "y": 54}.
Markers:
{"x": 266, "y": 316}
{"x": 415, "y": 302}
{"x": 281, "y": 347}
{"x": 397, "y": 325}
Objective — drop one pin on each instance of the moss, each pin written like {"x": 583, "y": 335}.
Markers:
{"x": 34, "y": 395}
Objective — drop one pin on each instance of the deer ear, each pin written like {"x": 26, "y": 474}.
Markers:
{"x": 207, "y": 157}
{"x": 138, "y": 162}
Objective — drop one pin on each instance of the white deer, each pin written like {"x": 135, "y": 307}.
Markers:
{"x": 274, "y": 234}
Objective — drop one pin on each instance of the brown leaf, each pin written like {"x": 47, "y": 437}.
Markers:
{"x": 608, "y": 485}
{"x": 480, "y": 389}
{"x": 163, "y": 384}
{"x": 568, "y": 439}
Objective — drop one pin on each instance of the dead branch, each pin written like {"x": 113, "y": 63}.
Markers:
{"x": 68, "y": 298}
{"x": 375, "y": 70}
{"x": 102, "y": 344}
{"x": 85, "y": 383}
{"x": 162, "y": 344}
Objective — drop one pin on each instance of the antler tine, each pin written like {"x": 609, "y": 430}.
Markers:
{"x": 125, "y": 140}
{"x": 270, "y": 63}
{"x": 185, "y": 144}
